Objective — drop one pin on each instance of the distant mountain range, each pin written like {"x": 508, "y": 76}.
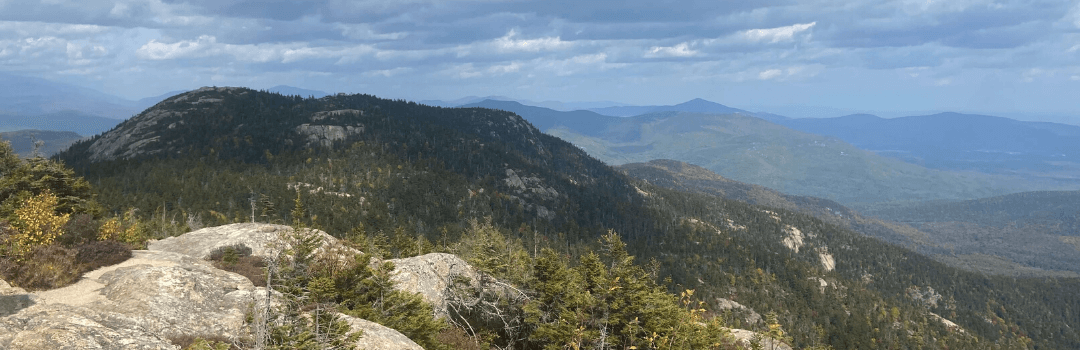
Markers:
{"x": 696, "y": 105}
{"x": 753, "y": 150}
{"x": 953, "y": 141}
{"x": 555, "y": 105}
{"x": 28, "y": 103}
{"x": 51, "y": 142}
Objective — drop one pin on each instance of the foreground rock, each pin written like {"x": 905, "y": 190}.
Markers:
{"x": 138, "y": 304}
{"x": 263, "y": 239}
{"x": 431, "y": 275}
{"x": 377, "y": 336}
{"x": 744, "y": 337}
{"x": 170, "y": 291}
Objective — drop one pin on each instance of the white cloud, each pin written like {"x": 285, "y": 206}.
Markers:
{"x": 507, "y": 43}
{"x": 775, "y": 35}
{"x": 789, "y": 73}
{"x": 155, "y": 50}
{"x": 770, "y": 74}
{"x": 208, "y": 46}
{"x": 386, "y": 73}
{"x": 680, "y": 50}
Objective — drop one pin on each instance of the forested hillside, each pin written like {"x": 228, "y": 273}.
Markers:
{"x": 407, "y": 179}
{"x": 1019, "y": 234}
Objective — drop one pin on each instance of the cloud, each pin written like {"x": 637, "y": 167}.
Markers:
{"x": 775, "y": 35}
{"x": 680, "y": 50}
{"x": 509, "y": 44}
{"x": 458, "y": 47}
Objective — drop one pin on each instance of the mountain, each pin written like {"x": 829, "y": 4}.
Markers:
{"x": 964, "y": 142}
{"x": 404, "y": 179}
{"x": 148, "y": 102}
{"x": 28, "y": 96}
{"x": 696, "y": 105}
{"x": 749, "y": 149}
{"x": 1015, "y": 235}
{"x": 1020, "y": 234}
{"x": 554, "y": 105}
{"x": 70, "y": 121}
{"x": 52, "y": 142}
{"x": 691, "y": 178}
{"x": 295, "y": 91}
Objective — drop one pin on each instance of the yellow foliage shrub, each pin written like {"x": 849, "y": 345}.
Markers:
{"x": 37, "y": 223}
{"x": 125, "y": 230}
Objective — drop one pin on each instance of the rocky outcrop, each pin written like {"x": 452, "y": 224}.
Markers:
{"x": 13, "y": 299}
{"x": 137, "y": 304}
{"x": 377, "y": 336}
{"x": 751, "y": 316}
{"x": 171, "y": 291}
{"x": 325, "y": 135}
{"x": 744, "y": 337}
{"x": 263, "y": 239}
{"x": 431, "y": 275}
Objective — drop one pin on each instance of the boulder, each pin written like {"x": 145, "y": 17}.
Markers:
{"x": 431, "y": 275}
{"x": 751, "y": 316}
{"x": 377, "y": 336}
{"x": 263, "y": 239}
{"x": 743, "y": 338}
{"x": 137, "y": 304}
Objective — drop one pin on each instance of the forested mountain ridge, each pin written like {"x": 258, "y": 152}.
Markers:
{"x": 1013, "y": 233}
{"x": 753, "y": 150}
{"x": 692, "y": 178}
{"x": 967, "y": 142}
{"x": 407, "y": 179}
{"x": 1016, "y": 235}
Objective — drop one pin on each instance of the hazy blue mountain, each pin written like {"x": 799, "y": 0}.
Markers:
{"x": 77, "y": 122}
{"x": 295, "y": 91}
{"x": 587, "y": 122}
{"x": 52, "y": 142}
{"x": 21, "y": 95}
{"x": 749, "y": 149}
{"x": 954, "y": 141}
{"x": 696, "y": 105}
{"x": 554, "y": 105}
{"x": 148, "y": 102}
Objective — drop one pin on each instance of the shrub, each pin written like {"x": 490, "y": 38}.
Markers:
{"x": 237, "y": 258}
{"x": 38, "y": 223}
{"x": 189, "y": 342}
{"x": 252, "y": 267}
{"x": 43, "y": 267}
{"x": 80, "y": 229}
{"x": 96, "y": 254}
{"x": 230, "y": 253}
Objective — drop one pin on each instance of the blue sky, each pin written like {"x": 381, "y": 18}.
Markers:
{"x": 1001, "y": 57}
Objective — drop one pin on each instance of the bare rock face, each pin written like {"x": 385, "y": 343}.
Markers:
{"x": 431, "y": 275}
{"x": 751, "y": 316}
{"x": 13, "y": 299}
{"x": 263, "y": 239}
{"x": 377, "y": 336}
{"x": 65, "y": 327}
{"x": 137, "y": 304}
{"x": 743, "y": 337}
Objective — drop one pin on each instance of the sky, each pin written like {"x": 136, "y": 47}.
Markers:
{"x": 984, "y": 56}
